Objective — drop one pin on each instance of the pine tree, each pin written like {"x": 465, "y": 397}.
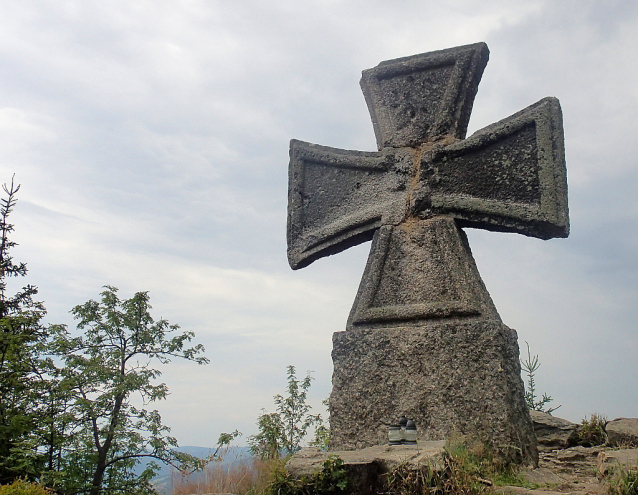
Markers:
{"x": 21, "y": 339}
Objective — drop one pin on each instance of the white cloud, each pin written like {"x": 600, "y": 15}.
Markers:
{"x": 151, "y": 139}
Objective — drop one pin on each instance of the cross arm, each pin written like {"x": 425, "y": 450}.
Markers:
{"x": 509, "y": 176}
{"x": 338, "y": 198}
{"x": 424, "y": 97}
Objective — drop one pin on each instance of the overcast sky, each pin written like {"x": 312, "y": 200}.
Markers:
{"x": 151, "y": 141}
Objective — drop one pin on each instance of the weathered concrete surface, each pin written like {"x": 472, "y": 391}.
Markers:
{"x": 553, "y": 432}
{"x": 509, "y": 176}
{"x": 622, "y": 432}
{"x": 419, "y": 98}
{"x": 424, "y": 338}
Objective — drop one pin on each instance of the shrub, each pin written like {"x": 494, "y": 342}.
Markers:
{"x": 281, "y": 433}
{"x": 331, "y": 479}
{"x": 592, "y": 432}
{"x": 21, "y": 487}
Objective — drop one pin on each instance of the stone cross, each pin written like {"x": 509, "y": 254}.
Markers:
{"x": 423, "y": 338}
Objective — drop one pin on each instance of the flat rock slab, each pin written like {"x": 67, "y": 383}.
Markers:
{"x": 373, "y": 460}
{"x": 551, "y": 431}
{"x": 607, "y": 460}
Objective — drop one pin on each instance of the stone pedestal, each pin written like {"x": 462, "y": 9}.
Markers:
{"x": 455, "y": 378}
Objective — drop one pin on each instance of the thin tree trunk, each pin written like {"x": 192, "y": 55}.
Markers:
{"x": 98, "y": 476}
{"x": 103, "y": 452}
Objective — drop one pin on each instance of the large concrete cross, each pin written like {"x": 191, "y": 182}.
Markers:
{"x": 423, "y": 338}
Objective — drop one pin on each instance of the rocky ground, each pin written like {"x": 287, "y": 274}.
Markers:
{"x": 568, "y": 463}
{"x": 577, "y": 469}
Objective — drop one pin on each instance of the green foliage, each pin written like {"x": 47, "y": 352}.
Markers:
{"x": 322, "y": 437}
{"x": 624, "y": 481}
{"x": 511, "y": 478}
{"x": 322, "y": 431}
{"x": 21, "y": 339}
{"x": 469, "y": 467}
{"x": 331, "y": 479}
{"x": 104, "y": 434}
{"x": 268, "y": 443}
{"x": 530, "y": 366}
{"x": 281, "y": 432}
{"x": 592, "y": 431}
{"x": 21, "y": 487}
{"x": 67, "y": 418}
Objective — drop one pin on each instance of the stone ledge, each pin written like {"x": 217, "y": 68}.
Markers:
{"x": 374, "y": 460}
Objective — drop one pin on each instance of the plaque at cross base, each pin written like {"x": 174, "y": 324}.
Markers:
{"x": 424, "y": 338}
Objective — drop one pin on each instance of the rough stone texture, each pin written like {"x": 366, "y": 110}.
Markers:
{"x": 419, "y": 98}
{"x": 622, "y": 432}
{"x": 338, "y": 198}
{"x": 417, "y": 271}
{"x": 455, "y": 378}
{"x": 552, "y": 432}
{"x": 577, "y": 471}
{"x": 569, "y": 470}
{"x": 364, "y": 468}
{"x": 423, "y": 338}
{"x": 509, "y": 176}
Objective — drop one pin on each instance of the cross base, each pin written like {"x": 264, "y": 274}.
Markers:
{"x": 455, "y": 379}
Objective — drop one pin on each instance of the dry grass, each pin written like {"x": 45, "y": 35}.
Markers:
{"x": 250, "y": 477}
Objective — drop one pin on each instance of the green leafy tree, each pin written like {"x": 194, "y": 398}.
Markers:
{"x": 530, "y": 366}
{"x": 105, "y": 434}
{"x": 21, "y": 339}
{"x": 268, "y": 443}
{"x": 322, "y": 431}
{"x": 282, "y": 432}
